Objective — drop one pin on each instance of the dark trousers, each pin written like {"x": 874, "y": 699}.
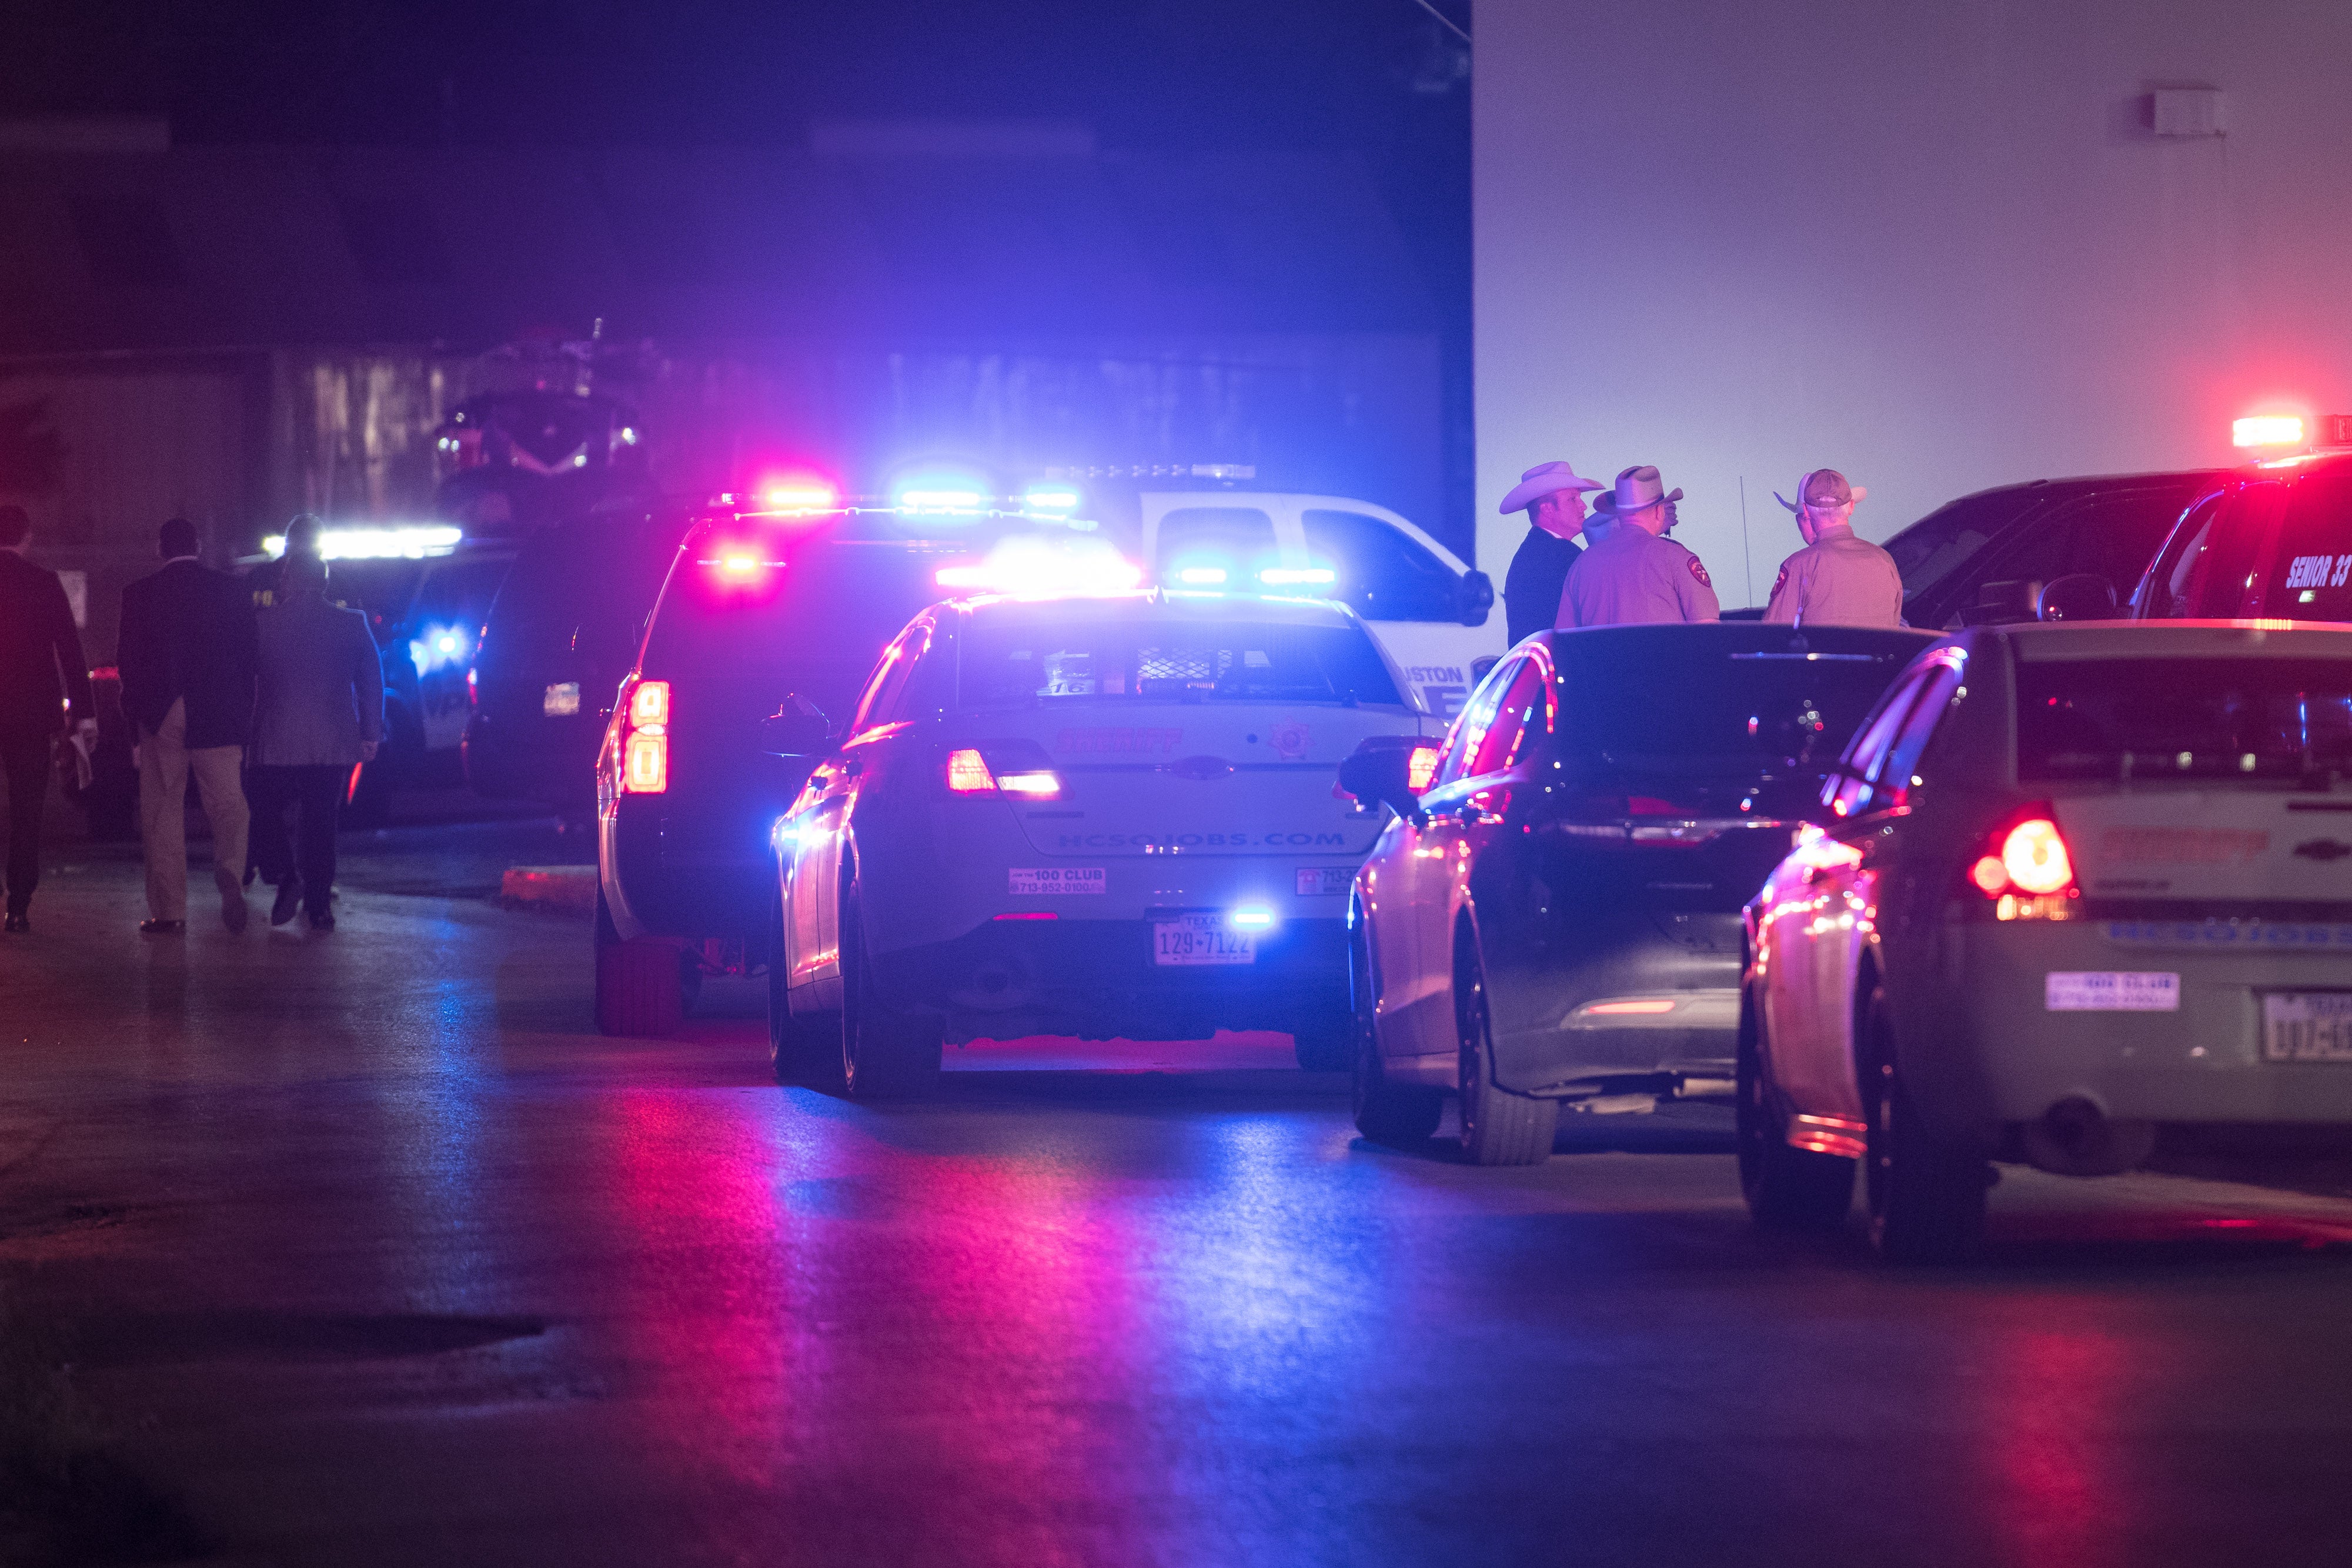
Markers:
{"x": 317, "y": 794}
{"x": 25, "y": 758}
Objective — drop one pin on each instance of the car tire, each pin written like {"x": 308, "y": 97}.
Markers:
{"x": 1926, "y": 1199}
{"x": 1786, "y": 1188}
{"x": 801, "y": 1052}
{"x": 1399, "y": 1116}
{"x": 1498, "y": 1127}
{"x": 637, "y": 988}
{"x": 885, "y": 1054}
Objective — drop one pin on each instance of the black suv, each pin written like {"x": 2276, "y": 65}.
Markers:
{"x": 564, "y": 630}
{"x": 759, "y": 615}
{"x": 1987, "y": 556}
{"x": 2273, "y": 541}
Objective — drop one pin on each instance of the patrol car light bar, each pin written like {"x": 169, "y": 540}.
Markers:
{"x": 2267, "y": 430}
{"x": 376, "y": 544}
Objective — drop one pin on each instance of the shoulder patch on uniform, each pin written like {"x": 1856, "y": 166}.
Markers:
{"x": 1699, "y": 571}
{"x": 1781, "y": 581}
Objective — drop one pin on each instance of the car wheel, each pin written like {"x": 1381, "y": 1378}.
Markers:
{"x": 1786, "y": 1188}
{"x": 1926, "y": 1199}
{"x": 798, "y": 1052}
{"x": 637, "y": 988}
{"x": 885, "y": 1054}
{"x": 1400, "y": 1115}
{"x": 1498, "y": 1127}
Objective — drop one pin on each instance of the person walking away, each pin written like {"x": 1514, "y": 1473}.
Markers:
{"x": 1553, "y": 497}
{"x": 1634, "y": 575}
{"x": 319, "y": 715}
{"x": 301, "y": 539}
{"x": 186, "y": 658}
{"x": 43, "y": 679}
{"x": 1837, "y": 579}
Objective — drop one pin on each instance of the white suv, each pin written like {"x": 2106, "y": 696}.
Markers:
{"x": 1110, "y": 816}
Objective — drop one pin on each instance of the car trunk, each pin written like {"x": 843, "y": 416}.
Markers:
{"x": 2214, "y": 845}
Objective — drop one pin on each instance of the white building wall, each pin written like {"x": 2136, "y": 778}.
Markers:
{"x": 1933, "y": 245}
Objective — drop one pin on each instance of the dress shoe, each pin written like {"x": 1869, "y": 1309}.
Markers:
{"x": 288, "y": 900}
{"x": 18, "y": 922}
{"x": 322, "y": 923}
{"x": 231, "y": 893}
{"x": 161, "y": 927}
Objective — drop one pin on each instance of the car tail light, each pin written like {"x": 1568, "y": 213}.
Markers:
{"x": 645, "y": 739}
{"x": 968, "y": 773}
{"x": 2027, "y": 870}
{"x": 1421, "y": 768}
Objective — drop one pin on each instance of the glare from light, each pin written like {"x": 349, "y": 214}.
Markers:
{"x": 1200, "y": 576}
{"x": 398, "y": 543}
{"x": 628, "y": 435}
{"x": 2034, "y": 855}
{"x": 2267, "y": 430}
{"x": 1040, "y": 569}
{"x": 738, "y": 564}
{"x": 940, "y": 500}
{"x": 1421, "y": 768}
{"x": 1041, "y": 785}
{"x": 1051, "y": 500}
{"x": 1621, "y": 1010}
{"x": 799, "y": 497}
{"x": 1296, "y": 576}
{"x": 1251, "y": 917}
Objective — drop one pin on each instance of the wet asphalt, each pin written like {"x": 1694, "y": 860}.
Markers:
{"x": 368, "y": 1250}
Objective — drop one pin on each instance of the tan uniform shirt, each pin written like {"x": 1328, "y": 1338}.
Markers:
{"x": 1632, "y": 576}
{"x": 1837, "y": 581}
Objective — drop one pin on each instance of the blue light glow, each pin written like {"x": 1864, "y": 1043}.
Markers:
{"x": 1200, "y": 576}
{"x": 1252, "y": 918}
{"x": 1293, "y": 576}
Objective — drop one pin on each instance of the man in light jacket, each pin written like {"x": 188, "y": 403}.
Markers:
{"x": 319, "y": 714}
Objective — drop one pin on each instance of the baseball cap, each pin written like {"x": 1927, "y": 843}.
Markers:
{"x": 1827, "y": 487}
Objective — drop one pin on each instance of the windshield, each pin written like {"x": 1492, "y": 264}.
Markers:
{"x": 1100, "y": 660}
{"x": 1932, "y": 551}
{"x": 2241, "y": 720}
{"x": 1719, "y": 712}
{"x": 812, "y": 621}
{"x": 2310, "y": 576}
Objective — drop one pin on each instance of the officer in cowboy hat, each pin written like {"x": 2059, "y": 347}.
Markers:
{"x": 1836, "y": 579}
{"x": 1635, "y": 575}
{"x": 1553, "y": 496}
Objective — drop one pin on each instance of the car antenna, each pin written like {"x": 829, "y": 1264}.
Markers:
{"x": 1747, "y": 557}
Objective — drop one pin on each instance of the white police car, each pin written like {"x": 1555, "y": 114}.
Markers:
{"x": 2083, "y": 897}
{"x": 1110, "y": 815}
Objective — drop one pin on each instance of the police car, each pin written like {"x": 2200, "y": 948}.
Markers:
{"x": 2272, "y": 540}
{"x": 2082, "y": 897}
{"x": 1104, "y": 815}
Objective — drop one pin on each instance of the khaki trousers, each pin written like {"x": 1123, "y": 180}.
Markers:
{"x": 164, "y": 764}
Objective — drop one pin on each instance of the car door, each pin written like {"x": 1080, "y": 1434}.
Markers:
{"x": 815, "y": 835}
{"x": 1462, "y": 805}
{"x": 1843, "y": 879}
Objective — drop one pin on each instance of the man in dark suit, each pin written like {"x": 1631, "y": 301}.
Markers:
{"x": 42, "y": 676}
{"x": 319, "y": 715}
{"x": 187, "y": 660}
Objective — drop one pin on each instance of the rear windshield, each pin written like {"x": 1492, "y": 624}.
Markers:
{"x": 1727, "y": 711}
{"x": 1162, "y": 661}
{"x": 810, "y": 620}
{"x": 590, "y": 580}
{"x": 2242, "y": 719}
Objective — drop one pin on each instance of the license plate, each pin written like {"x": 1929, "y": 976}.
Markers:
{"x": 2307, "y": 1026}
{"x": 1316, "y": 881}
{"x": 1056, "y": 879}
{"x": 561, "y": 699}
{"x": 2111, "y": 991}
{"x": 1200, "y": 940}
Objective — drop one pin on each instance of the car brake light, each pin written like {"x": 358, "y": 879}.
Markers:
{"x": 649, "y": 703}
{"x": 645, "y": 766}
{"x": 1421, "y": 768}
{"x": 968, "y": 773}
{"x": 2026, "y": 869}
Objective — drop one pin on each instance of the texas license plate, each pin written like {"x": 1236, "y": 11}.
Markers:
{"x": 2307, "y": 1026}
{"x": 1200, "y": 940}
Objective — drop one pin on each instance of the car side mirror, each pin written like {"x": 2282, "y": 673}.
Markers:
{"x": 2080, "y": 596}
{"x": 798, "y": 728}
{"x": 1473, "y": 596}
{"x": 1381, "y": 770}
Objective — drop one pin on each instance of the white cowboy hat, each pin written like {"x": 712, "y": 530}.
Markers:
{"x": 1831, "y": 484}
{"x": 1636, "y": 489}
{"x": 1542, "y": 480}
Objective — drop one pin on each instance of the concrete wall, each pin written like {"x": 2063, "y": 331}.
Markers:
{"x": 1933, "y": 245}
